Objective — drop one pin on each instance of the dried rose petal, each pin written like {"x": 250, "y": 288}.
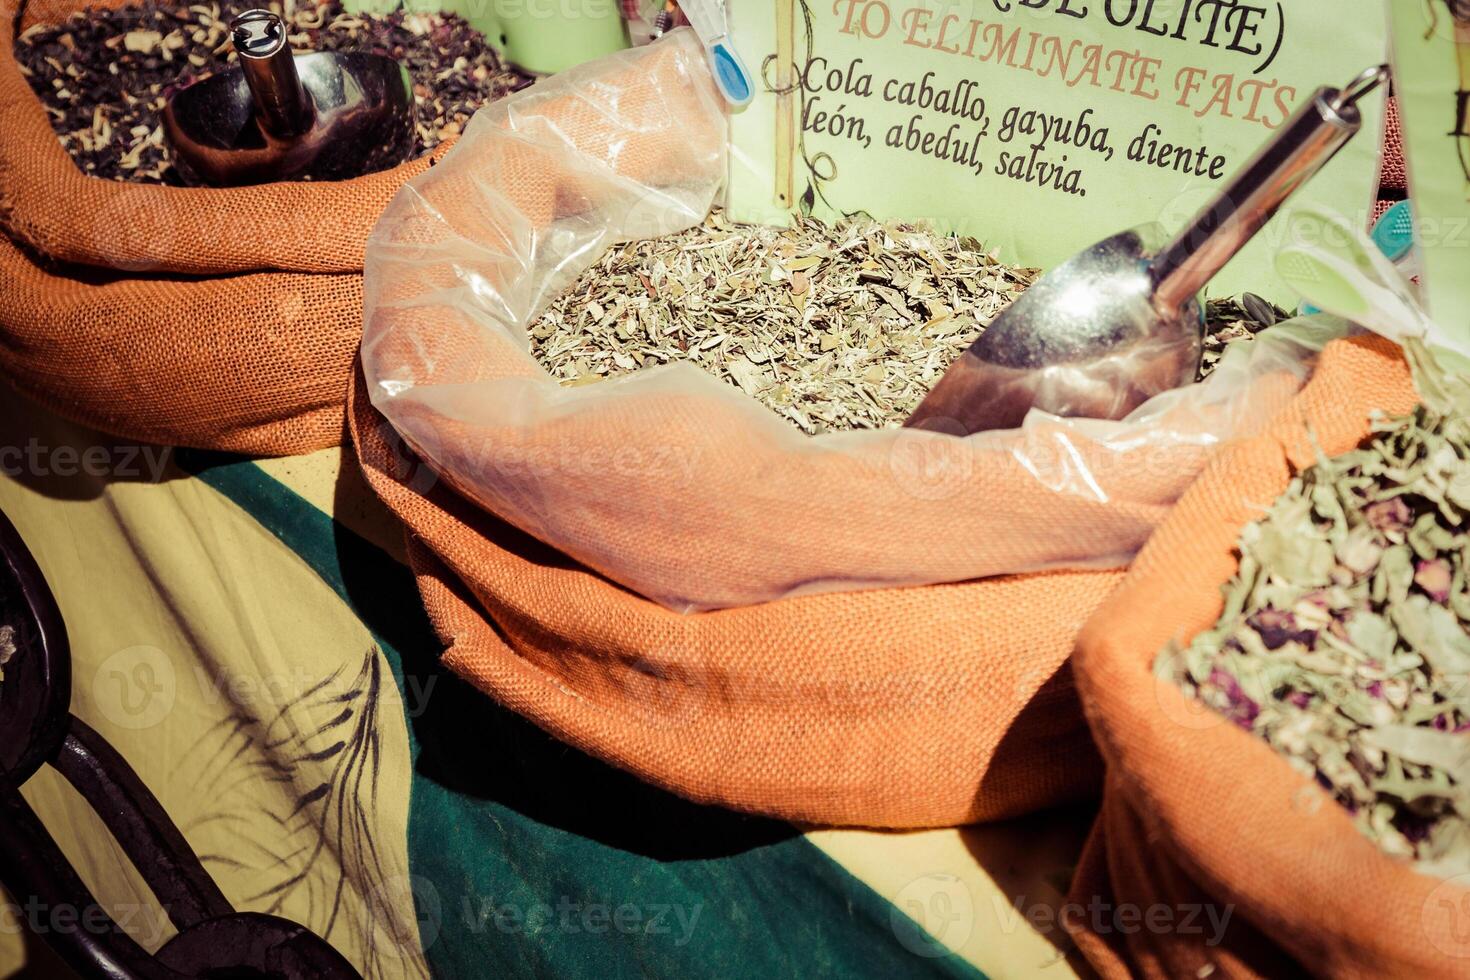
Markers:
{"x": 1242, "y": 708}
{"x": 1389, "y": 515}
{"x": 1435, "y": 578}
{"x": 1414, "y": 827}
{"x": 1278, "y": 627}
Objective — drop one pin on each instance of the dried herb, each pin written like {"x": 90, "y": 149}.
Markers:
{"x": 842, "y": 326}
{"x": 1344, "y": 642}
{"x": 104, "y": 75}
{"x": 833, "y": 326}
{"x": 1230, "y": 320}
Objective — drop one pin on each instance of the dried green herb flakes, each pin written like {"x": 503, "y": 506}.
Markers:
{"x": 1344, "y": 643}
{"x": 833, "y": 326}
{"x": 839, "y": 326}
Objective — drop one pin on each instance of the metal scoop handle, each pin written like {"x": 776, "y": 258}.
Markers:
{"x": 282, "y": 104}
{"x": 1303, "y": 146}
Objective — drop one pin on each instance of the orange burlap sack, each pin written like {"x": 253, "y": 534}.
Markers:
{"x": 887, "y": 707}
{"x": 671, "y": 483}
{"x": 896, "y": 708}
{"x": 219, "y": 318}
{"x": 1198, "y": 812}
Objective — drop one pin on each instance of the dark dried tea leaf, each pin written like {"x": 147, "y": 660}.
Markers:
{"x": 1262, "y": 312}
{"x": 1344, "y": 641}
{"x": 1230, "y": 320}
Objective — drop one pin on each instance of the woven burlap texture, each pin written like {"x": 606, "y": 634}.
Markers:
{"x": 886, "y": 707}
{"x": 1197, "y": 810}
{"x": 219, "y": 318}
{"x": 1394, "y": 178}
{"x": 893, "y": 708}
{"x": 899, "y": 708}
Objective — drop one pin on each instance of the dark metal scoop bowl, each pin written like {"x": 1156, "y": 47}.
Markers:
{"x": 281, "y": 116}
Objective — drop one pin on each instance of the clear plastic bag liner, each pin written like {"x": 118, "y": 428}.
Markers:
{"x": 673, "y": 483}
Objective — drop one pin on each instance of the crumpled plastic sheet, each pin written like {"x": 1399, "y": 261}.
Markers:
{"x": 672, "y": 483}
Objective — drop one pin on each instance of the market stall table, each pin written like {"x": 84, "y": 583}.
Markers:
{"x": 246, "y": 634}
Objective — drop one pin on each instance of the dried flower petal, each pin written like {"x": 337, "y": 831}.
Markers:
{"x": 1392, "y": 514}
{"x": 1276, "y": 628}
{"x": 1435, "y": 578}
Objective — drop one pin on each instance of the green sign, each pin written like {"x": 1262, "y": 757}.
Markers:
{"x": 1432, "y": 82}
{"x": 1040, "y": 126}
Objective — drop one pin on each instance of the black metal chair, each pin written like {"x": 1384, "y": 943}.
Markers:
{"x": 36, "y": 728}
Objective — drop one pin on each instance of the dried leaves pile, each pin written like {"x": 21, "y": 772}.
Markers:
{"x": 843, "y": 326}
{"x": 1228, "y": 320}
{"x": 1344, "y": 642}
{"x": 833, "y": 326}
{"x": 104, "y": 75}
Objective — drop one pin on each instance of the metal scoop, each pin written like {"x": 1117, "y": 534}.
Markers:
{"x": 279, "y": 116}
{"x": 1121, "y": 322}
